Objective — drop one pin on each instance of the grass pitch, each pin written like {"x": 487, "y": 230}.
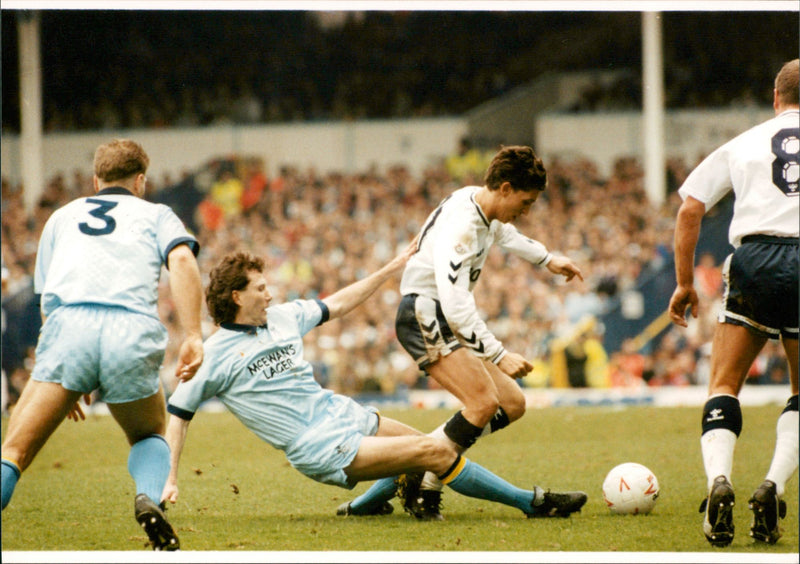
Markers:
{"x": 238, "y": 494}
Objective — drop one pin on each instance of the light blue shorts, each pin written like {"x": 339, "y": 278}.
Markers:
{"x": 332, "y": 441}
{"x": 110, "y": 349}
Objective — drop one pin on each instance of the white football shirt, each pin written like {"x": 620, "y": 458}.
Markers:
{"x": 453, "y": 246}
{"x": 762, "y": 167}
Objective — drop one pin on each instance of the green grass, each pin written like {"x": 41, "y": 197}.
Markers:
{"x": 238, "y": 494}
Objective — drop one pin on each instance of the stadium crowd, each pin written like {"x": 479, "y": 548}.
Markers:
{"x": 195, "y": 68}
{"x": 319, "y": 232}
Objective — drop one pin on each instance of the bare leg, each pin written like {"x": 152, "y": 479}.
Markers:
{"x": 40, "y": 410}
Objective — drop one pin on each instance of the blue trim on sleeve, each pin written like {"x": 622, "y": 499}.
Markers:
{"x": 326, "y": 314}
{"x": 178, "y": 412}
{"x": 190, "y": 242}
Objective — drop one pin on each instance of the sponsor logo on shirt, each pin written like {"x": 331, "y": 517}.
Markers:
{"x": 276, "y": 362}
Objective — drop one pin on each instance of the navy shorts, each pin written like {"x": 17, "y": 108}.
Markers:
{"x": 423, "y": 331}
{"x": 761, "y": 286}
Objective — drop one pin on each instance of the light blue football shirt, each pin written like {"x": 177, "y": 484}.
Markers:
{"x": 260, "y": 374}
{"x": 262, "y": 377}
{"x": 107, "y": 249}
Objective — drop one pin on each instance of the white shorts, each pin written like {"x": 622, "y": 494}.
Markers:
{"x": 113, "y": 350}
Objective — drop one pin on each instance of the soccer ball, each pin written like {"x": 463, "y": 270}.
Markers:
{"x": 630, "y": 489}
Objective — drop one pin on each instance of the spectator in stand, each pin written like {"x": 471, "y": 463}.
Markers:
{"x": 344, "y": 235}
{"x": 227, "y": 192}
{"x": 708, "y": 277}
{"x": 626, "y": 367}
{"x": 255, "y": 183}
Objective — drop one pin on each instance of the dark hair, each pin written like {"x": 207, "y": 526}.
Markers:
{"x": 519, "y": 166}
{"x": 787, "y": 83}
{"x": 119, "y": 159}
{"x": 230, "y": 274}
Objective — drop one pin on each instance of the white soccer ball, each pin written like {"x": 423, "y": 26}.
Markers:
{"x": 630, "y": 489}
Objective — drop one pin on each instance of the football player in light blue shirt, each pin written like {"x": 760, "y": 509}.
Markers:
{"x": 97, "y": 271}
{"x": 254, "y": 364}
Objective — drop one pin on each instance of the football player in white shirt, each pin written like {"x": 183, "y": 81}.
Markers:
{"x": 97, "y": 271}
{"x": 760, "y": 302}
{"x": 438, "y": 322}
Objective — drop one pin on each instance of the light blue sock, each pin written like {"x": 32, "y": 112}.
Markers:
{"x": 382, "y": 490}
{"x": 148, "y": 464}
{"x": 476, "y": 481}
{"x": 10, "y": 477}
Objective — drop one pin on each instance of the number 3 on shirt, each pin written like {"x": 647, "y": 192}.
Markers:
{"x": 101, "y": 213}
{"x": 786, "y": 166}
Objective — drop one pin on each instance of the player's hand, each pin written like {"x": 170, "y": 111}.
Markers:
{"x": 76, "y": 413}
{"x": 399, "y": 262}
{"x": 683, "y": 298}
{"x": 190, "y": 357}
{"x": 170, "y": 492}
{"x": 515, "y": 365}
{"x": 564, "y": 266}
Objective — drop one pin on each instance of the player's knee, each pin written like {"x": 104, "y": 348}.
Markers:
{"x": 483, "y": 410}
{"x": 514, "y": 406}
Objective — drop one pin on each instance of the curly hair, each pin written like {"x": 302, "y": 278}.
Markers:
{"x": 519, "y": 166}
{"x": 230, "y": 274}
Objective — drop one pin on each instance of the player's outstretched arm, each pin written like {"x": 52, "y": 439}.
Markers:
{"x": 176, "y": 438}
{"x": 687, "y": 231}
{"x": 341, "y": 302}
{"x": 187, "y": 292}
{"x": 565, "y": 267}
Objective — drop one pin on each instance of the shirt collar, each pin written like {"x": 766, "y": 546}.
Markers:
{"x": 242, "y": 328}
{"x": 111, "y": 190}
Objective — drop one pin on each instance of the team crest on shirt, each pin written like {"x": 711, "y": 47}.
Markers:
{"x": 460, "y": 249}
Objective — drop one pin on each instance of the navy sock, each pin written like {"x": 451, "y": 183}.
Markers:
{"x": 722, "y": 412}
{"x": 461, "y": 431}
{"x": 148, "y": 464}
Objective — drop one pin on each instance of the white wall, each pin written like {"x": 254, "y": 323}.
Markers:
{"x": 356, "y": 146}
{"x": 346, "y": 147}
{"x": 607, "y": 136}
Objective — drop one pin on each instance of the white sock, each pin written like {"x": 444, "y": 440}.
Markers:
{"x": 717, "y": 446}
{"x": 431, "y": 481}
{"x": 785, "y": 459}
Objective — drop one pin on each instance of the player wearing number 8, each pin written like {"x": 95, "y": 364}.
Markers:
{"x": 97, "y": 271}
{"x": 760, "y": 300}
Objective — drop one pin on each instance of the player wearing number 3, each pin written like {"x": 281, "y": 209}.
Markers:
{"x": 97, "y": 272}
{"x": 760, "y": 300}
